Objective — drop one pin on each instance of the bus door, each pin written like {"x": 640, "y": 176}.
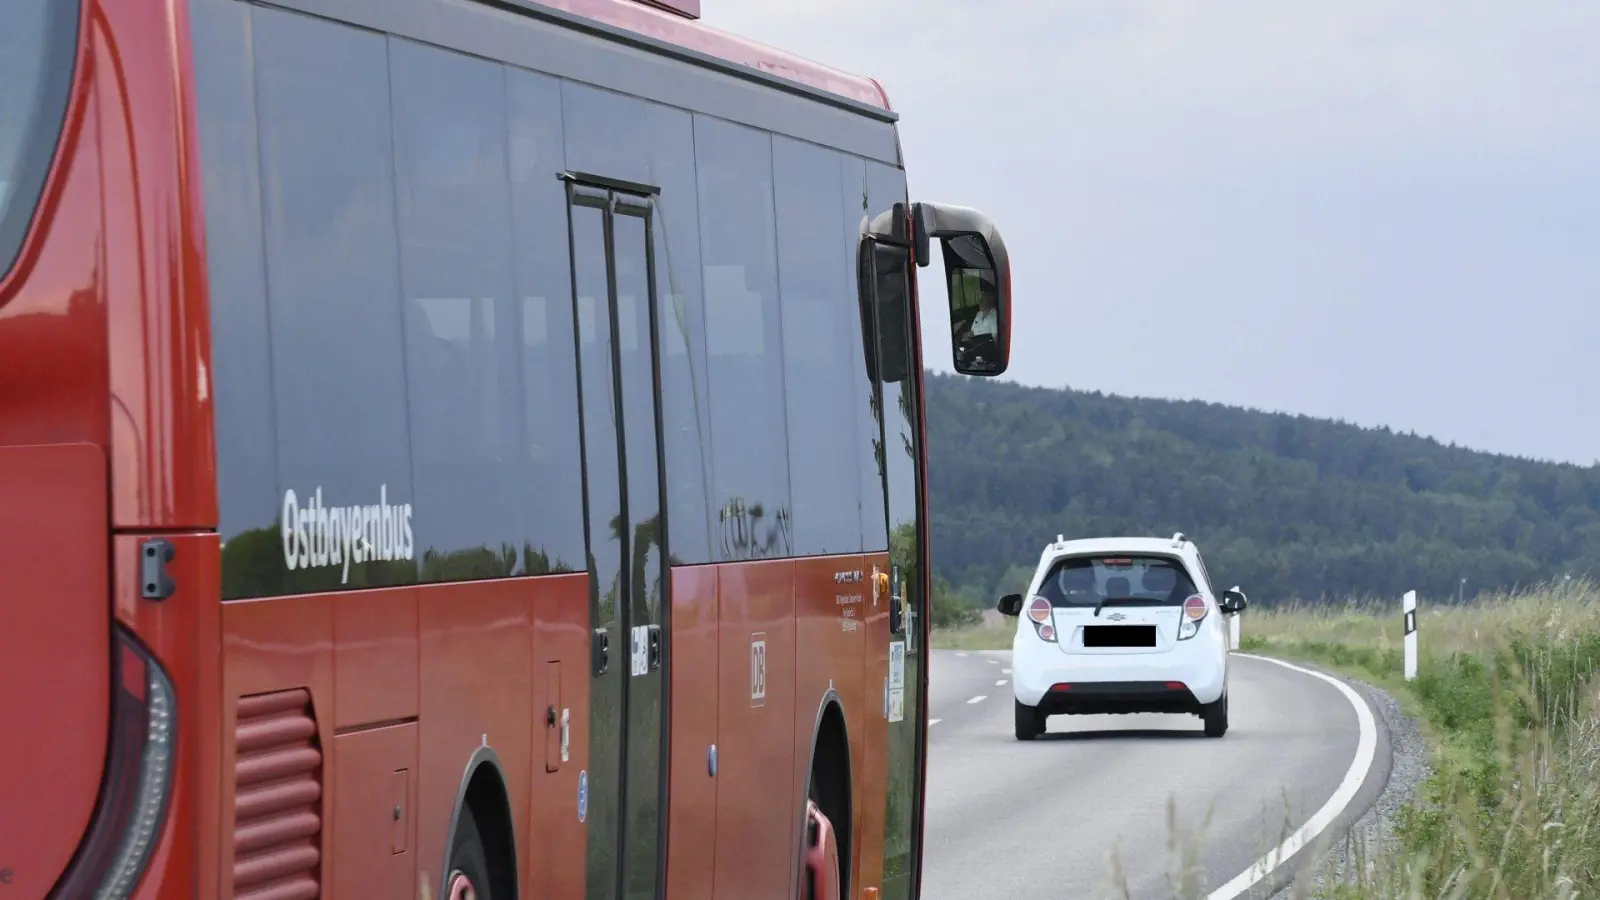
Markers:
{"x": 622, "y": 792}
{"x": 886, "y": 271}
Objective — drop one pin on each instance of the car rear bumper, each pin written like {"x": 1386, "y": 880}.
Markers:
{"x": 1113, "y": 697}
{"x": 1110, "y": 682}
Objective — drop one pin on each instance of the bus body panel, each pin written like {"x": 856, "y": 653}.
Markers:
{"x": 693, "y": 786}
{"x": 755, "y": 720}
{"x": 55, "y": 639}
{"x": 555, "y": 836}
{"x": 163, "y": 470}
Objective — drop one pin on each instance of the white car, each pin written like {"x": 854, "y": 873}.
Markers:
{"x": 1120, "y": 625}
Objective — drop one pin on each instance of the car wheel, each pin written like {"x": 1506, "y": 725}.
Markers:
{"x": 1030, "y": 723}
{"x": 1216, "y": 717}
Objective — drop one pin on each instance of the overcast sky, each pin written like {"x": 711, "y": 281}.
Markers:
{"x": 1384, "y": 211}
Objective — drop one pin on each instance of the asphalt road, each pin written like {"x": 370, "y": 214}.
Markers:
{"x": 1125, "y": 806}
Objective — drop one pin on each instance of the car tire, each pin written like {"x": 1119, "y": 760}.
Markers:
{"x": 1030, "y": 724}
{"x": 1215, "y": 716}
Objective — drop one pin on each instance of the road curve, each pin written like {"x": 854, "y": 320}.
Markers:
{"x": 1139, "y": 806}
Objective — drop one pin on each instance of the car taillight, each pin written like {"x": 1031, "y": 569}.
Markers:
{"x": 138, "y": 780}
{"x": 1039, "y": 615}
{"x": 1194, "y": 610}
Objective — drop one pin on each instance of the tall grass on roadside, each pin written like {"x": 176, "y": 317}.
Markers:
{"x": 983, "y": 636}
{"x": 1507, "y": 691}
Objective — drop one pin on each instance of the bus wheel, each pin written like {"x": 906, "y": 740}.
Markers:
{"x": 819, "y": 861}
{"x": 469, "y": 865}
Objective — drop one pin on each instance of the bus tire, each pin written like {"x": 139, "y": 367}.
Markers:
{"x": 469, "y": 863}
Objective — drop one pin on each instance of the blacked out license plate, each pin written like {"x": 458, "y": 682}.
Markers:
{"x": 1119, "y": 636}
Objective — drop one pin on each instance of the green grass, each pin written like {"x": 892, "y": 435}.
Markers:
{"x": 1507, "y": 696}
{"x": 975, "y": 637}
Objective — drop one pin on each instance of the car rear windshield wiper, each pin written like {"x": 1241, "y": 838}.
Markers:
{"x": 1119, "y": 601}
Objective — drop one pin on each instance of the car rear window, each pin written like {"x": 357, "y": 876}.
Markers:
{"x": 37, "y": 38}
{"x": 1091, "y": 580}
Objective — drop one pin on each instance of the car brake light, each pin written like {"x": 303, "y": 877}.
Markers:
{"x": 1039, "y": 614}
{"x": 1194, "y": 610}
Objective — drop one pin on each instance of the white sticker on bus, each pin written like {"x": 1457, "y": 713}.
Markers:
{"x": 897, "y": 665}
{"x": 641, "y": 651}
{"x": 316, "y": 536}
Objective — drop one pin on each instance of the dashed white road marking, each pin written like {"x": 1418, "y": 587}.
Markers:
{"x": 932, "y": 722}
{"x": 1366, "y": 749}
{"x": 1006, "y": 671}
{"x": 994, "y": 662}
{"x": 962, "y": 655}
{"x": 1000, "y": 683}
{"x": 979, "y": 699}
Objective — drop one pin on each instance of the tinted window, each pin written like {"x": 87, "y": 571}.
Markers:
{"x": 820, "y": 317}
{"x": 874, "y": 525}
{"x": 36, "y": 44}
{"x": 1088, "y": 581}
{"x": 892, "y": 280}
{"x": 344, "y": 466}
{"x": 463, "y": 322}
{"x": 544, "y": 287}
{"x": 744, "y": 340}
{"x": 246, "y": 440}
{"x": 680, "y": 318}
{"x": 626, "y": 138}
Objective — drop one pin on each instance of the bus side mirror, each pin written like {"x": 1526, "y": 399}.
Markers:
{"x": 977, "y": 274}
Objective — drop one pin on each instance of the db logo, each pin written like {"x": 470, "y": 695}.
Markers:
{"x": 758, "y": 669}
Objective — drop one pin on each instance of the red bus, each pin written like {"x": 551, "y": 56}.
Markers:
{"x": 460, "y": 449}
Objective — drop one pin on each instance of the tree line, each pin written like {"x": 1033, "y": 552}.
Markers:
{"x": 1287, "y": 506}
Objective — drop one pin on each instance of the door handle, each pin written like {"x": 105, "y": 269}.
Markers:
{"x": 655, "y": 647}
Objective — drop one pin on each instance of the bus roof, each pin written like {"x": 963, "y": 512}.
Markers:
{"x": 680, "y": 31}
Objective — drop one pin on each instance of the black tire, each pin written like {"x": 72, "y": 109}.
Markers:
{"x": 1216, "y": 717}
{"x": 468, "y": 858}
{"x": 1030, "y": 724}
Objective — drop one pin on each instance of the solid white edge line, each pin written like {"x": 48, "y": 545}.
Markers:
{"x": 1366, "y": 750}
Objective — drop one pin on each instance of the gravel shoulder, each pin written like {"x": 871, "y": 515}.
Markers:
{"x": 1371, "y": 837}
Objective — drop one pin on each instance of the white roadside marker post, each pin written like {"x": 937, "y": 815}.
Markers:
{"x": 1408, "y": 606}
{"x": 1233, "y": 630}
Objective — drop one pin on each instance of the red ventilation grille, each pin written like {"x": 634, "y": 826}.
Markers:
{"x": 277, "y": 799}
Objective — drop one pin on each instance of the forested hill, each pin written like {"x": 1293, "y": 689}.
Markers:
{"x": 1285, "y": 506}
